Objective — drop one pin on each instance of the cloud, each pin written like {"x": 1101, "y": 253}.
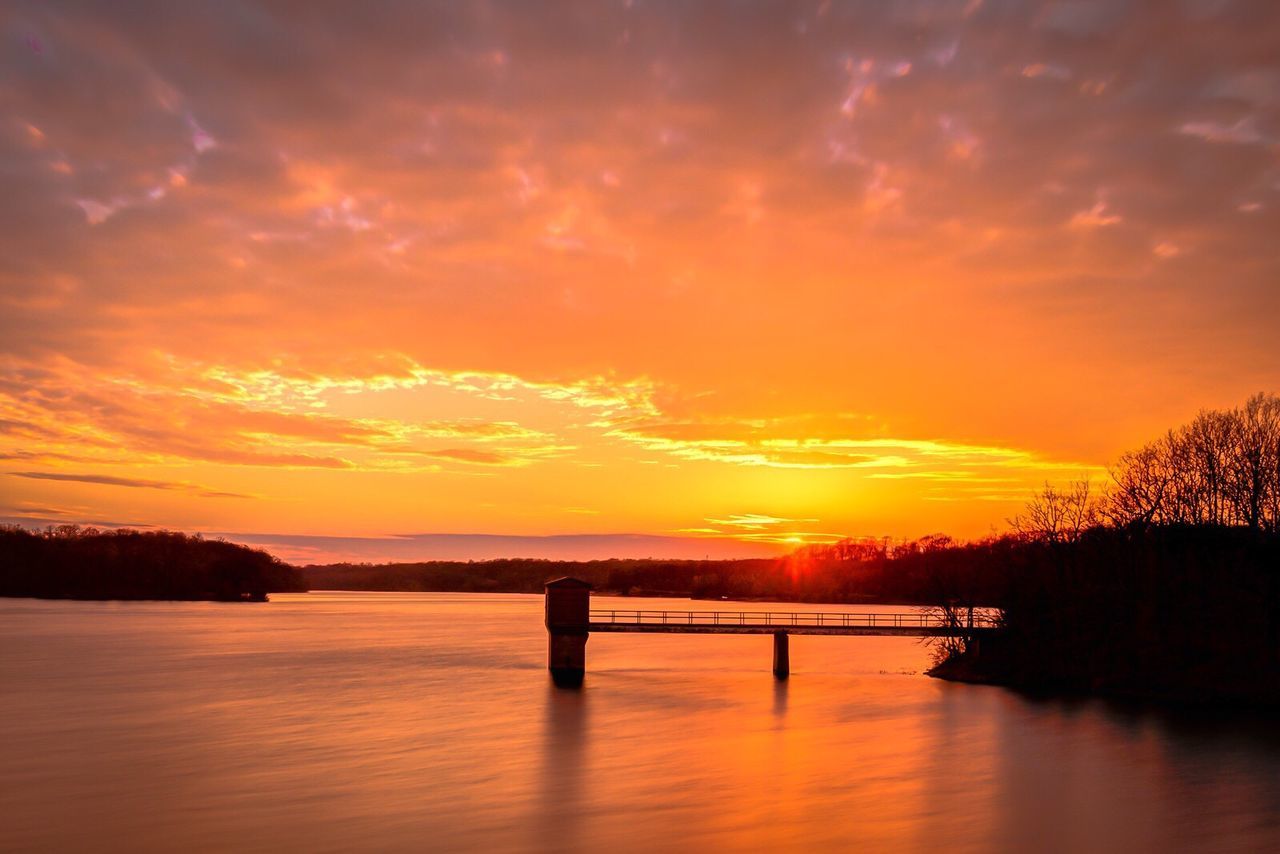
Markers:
{"x": 25, "y": 510}
{"x": 1098, "y": 216}
{"x": 755, "y": 521}
{"x": 756, "y": 442}
{"x": 1040, "y": 69}
{"x": 763, "y": 528}
{"x": 192, "y": 413}
{"x": 542, "y": 244}
{"x": 133, "y": 483}
{"x": 37, "y": 520}
{"x": 421, "y": 547}
{"x": 472, "y": 455}
{"x": 1243, "y": 131}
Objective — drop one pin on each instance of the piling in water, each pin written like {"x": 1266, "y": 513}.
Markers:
{"x": 781, "y": 655}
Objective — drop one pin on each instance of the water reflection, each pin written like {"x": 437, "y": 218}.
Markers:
{"x": 780, "y": 699}
{"x": 1135, "y": 778}
{"x": 565, "y": 737}
{"x": 403, "y": 723}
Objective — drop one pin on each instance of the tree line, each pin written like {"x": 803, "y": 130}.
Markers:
{"x": 1165, "y": 583}
{"x": 70, "y": 562}
{"x": 1221, "y": 469}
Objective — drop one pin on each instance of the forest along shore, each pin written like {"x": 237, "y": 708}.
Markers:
{"x": 69, "y": 562}
{"x": 1176, "y": 613}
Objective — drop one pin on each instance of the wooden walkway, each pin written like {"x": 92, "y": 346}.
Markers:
{"x": 908, "y": 623}
{"x": 571, "y": 621}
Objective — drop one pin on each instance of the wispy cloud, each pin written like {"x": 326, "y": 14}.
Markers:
{"x": 1244, "y": 131}
{"x": 443, "y": 546}
{"x": 755, "y": 521}
{"x": 130, "y": 482}
{"x": 265, "y": 419}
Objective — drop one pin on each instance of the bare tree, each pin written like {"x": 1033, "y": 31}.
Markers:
{"x": 1221, "y": 469}
{"x": 1141, "y": 483}
{"x": 1059, "y": 515}
{"x": 1251, "y": 476}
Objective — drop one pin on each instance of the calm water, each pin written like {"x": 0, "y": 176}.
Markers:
{"x": 426, "y": 722}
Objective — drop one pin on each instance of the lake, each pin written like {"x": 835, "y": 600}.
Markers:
{"x": 427, "y": 722}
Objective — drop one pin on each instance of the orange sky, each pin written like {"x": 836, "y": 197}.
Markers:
{"x": 721, "y": 278}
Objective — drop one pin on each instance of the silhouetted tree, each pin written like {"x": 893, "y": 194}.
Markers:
{"x": 1059, "y": 515}
{"x": 1223, "y": 468}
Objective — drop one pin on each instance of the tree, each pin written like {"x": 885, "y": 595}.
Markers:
{"x": 1221, "y": 469}
{"x": 1059, "y": 515}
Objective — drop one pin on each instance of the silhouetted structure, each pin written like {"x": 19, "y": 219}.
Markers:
{"x": 781, "y": 655}
{"x": 568, "y": 606}
{"x": 570, "y": 621}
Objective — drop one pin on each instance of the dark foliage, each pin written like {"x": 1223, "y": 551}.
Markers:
{"x": 68, "y": 562}
{"x": 909, "y": 573}
{"x": 1177, "y": 612}
{"x": 635, "y": 577}
{"x": 1223, "y": 468}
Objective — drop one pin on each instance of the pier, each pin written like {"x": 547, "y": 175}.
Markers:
{"x": 570, "y": 621}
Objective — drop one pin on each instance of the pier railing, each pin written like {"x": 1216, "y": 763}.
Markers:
{"x": 783, "y": 619}
{"x": 570, "y": 620}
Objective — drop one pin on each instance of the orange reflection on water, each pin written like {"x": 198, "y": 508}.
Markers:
{"x": 339, "y": 722}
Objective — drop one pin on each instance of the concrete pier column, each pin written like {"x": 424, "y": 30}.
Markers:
{"x": 568, "y": 613}
{"x": 781, "y": 655}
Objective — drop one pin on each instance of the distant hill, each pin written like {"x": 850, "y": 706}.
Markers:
{"x": 69, "y": 562}
{"x": 874, "y": 577}
{"x": 527, "y": 575}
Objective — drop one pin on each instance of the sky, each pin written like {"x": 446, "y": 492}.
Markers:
{"x": 410, "y": 280}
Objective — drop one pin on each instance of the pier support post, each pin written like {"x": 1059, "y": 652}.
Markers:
{"x": 781, "y": 655}
{"x": 568, "y": 614}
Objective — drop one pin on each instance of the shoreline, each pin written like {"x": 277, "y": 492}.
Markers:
{"x": 258, "y": 597}
{"x": 964, "y": 669}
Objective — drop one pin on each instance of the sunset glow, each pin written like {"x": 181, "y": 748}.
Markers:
{"x": 621, "y": 279}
